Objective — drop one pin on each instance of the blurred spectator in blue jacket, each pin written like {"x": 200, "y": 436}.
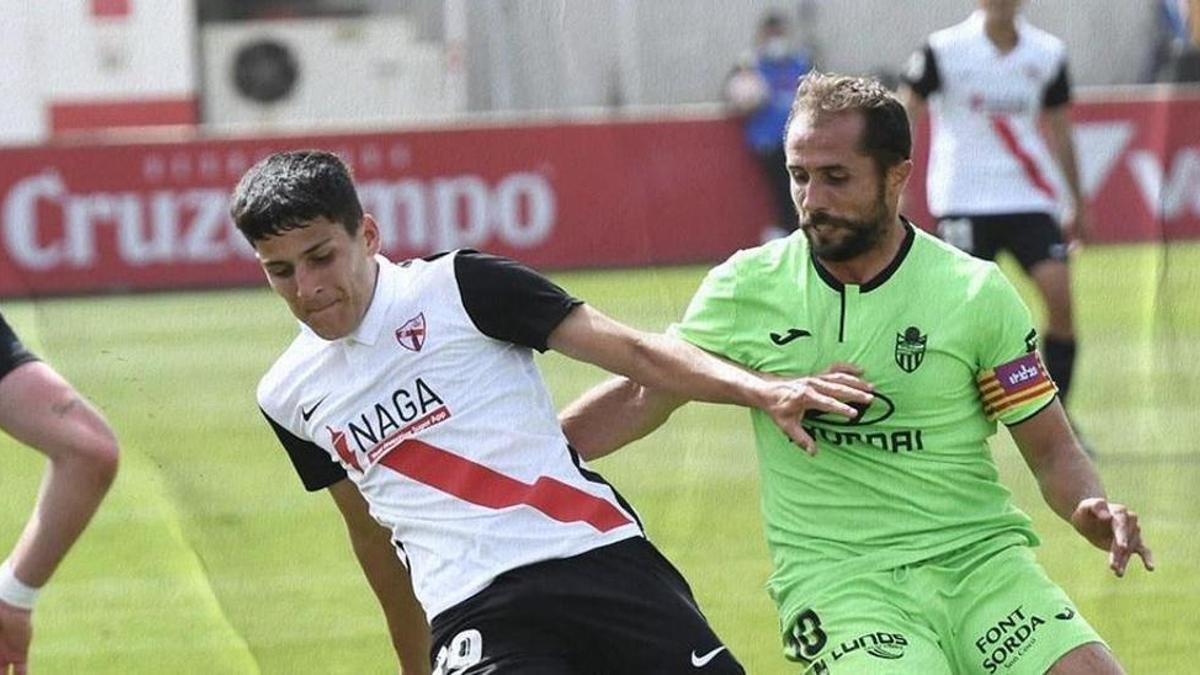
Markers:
{"x": 1175, "y": 53}
{"x": 760, "y": 87}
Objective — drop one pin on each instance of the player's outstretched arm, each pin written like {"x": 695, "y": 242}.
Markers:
{"x": 614, "y": 414}
{"x": 1061, "y": 135}
{"x": 40, "y": 409}
{"x": 388, "y": 579}
{"x": 660, "y": 362}
{"x": 915, "y": 105}
{"x": 1071, "y": 486}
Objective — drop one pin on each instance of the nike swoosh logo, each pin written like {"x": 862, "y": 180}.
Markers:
{"x": 792, "y": 334}
{"x": 701, "y": 661}
{"x": 309, "y": 413}
{"x": 1065, "y": 615}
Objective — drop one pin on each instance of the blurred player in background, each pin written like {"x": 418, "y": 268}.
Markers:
{"x": 760, "y": 88}
{"x": 40, "y": 409}
{"x": 411, "y": 394}
{"x": 988, "y": 83}
{"x": 895, "y": 548}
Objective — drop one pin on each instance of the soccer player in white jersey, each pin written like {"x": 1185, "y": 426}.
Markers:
{"x": 411, "y": 394}
{"x": 40, "y": 409}
{"x": 988, "y": 82}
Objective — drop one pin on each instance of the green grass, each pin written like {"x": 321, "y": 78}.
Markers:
{"x": 209, "y": 557}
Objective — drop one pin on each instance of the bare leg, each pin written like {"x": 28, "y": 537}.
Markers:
{"x": 1089, "y": 659}
{"x": 1053, "y": 279}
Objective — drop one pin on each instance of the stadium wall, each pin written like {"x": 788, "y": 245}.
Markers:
{"x": 118, "y": 217}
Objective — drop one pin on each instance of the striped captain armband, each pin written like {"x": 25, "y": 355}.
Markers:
{"x": 1011, "y": 385}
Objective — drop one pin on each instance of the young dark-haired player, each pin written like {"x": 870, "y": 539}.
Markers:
{"x": 411, "y": 394}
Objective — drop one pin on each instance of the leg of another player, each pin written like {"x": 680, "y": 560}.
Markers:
{"x": 1053, "y": 280}
{"x": 1089, "y": 659}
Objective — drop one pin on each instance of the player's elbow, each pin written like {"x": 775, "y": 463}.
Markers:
{"x": 96, "y": 451}
{"x": 105, "y": 457}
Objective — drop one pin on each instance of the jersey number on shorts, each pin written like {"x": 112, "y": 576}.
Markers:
{"x": 464, "y": 651}
{"x": 809, "y": 636}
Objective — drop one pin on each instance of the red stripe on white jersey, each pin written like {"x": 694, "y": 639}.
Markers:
{"x": 482, "y": 486}
{"x": 1008, "y": 138}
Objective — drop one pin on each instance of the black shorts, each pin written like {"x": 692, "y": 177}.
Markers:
{"x": 1030, "y": 237}
{"x": 12, "y": 352}
{"x": 621, "y": 609}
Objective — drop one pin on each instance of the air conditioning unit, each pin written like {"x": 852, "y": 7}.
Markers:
{"x": 297, "y": 72}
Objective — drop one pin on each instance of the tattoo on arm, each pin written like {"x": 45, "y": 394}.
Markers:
{"x": 61, "y": 409}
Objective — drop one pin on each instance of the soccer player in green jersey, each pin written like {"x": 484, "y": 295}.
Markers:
{"x": 895, "y": 547}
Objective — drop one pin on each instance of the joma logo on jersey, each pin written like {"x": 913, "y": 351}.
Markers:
{"x": 910, "y": 349}
{"x": 1005, "y": 642}
{"x": 407, "y": 406}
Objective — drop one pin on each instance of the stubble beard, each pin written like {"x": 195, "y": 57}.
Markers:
{"x": 864, "y": 234}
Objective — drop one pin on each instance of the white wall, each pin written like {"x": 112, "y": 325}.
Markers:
{"x": 151, "y": 52}
{"x": 21, "y": 114}
{"x": 535, "y": 54}
{"x": 555, "y": 53}
{"x": 55, "y": 51}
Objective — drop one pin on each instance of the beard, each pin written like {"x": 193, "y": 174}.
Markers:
{"x": 859, "y": 235}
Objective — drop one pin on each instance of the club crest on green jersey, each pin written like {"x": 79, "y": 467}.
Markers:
{"x": 910, "y": 349}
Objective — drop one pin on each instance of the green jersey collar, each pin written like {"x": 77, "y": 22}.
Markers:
{"x": 879, "y": 279}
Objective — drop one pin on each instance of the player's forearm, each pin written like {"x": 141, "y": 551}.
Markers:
{"x": 1066, "y": 477}
{"x": 406, "y": 621}
{"x": 73, "y": 488}
{"x": 914, "y": 106}
{"x": 672, "y": 366}
{"x": 1070, "y": 169}
{"x": 613, "y": 415}
{"x": 1062, "y": 138}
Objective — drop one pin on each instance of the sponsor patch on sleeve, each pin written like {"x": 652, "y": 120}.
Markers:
{"x": 1013, "y": 384}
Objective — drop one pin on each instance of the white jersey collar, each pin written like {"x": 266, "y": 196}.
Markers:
{"x": 977, "y": 19}
{"x": 375, "y": 319}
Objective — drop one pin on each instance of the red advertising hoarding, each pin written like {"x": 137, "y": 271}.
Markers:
{"x": 118, "y": 217}
{"x": 579, "y": 194}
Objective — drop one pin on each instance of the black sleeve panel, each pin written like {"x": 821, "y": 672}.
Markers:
{"x": 921, "y": 74}
{"x": 508, "y": 301}
{"x": 12, "y": 352}
{"x": 316, "y": 468}
{"x": 1058, "y": 92}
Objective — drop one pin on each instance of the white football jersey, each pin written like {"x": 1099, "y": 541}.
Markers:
{"x": 434, "y": 408}
{"x": 986, "y": 154}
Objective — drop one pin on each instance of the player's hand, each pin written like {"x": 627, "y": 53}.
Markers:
{"x": 830, "y": 392}
{"x": 1113, "y": 528}
{"x": 16, "y": 630}
{"x": 1077, "y": 226}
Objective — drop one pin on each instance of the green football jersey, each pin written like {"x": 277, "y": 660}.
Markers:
{"x": 950, "y": 348}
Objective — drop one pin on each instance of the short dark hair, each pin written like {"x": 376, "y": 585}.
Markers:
{"x": 773, "y": 21}
{"x": 288, "y": 190}
{"x": 886, "y": 135}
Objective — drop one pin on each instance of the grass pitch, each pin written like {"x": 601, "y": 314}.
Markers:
{"x": 208, "y": 556}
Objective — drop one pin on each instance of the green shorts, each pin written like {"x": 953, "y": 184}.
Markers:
{"x": 987, "y": 608}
